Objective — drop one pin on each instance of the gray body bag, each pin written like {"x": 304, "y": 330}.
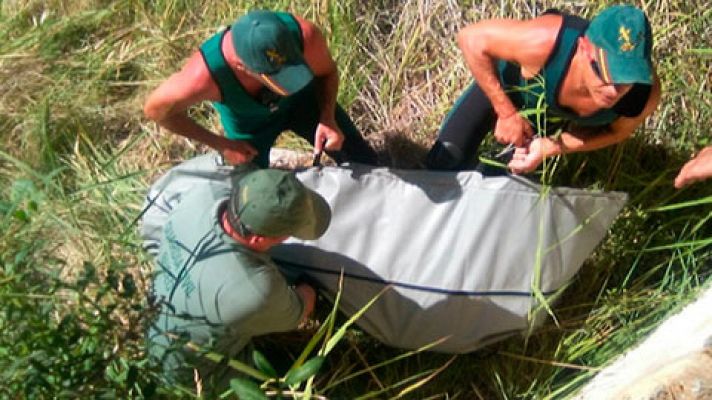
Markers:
{"x": 462, "y": 255}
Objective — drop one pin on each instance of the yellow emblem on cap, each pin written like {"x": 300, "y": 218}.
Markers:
{"x": 624, "y": 38}
{"x": 275, "y": 57}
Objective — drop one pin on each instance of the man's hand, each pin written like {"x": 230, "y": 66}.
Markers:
{"x": 308, "y": 296}
{"x": 328, "y": 136}
{"x": 527, "y": 159}
{"x": 697, "y": 169}
{"x": 238, "y": 152}
{"x": 513, "y": 129}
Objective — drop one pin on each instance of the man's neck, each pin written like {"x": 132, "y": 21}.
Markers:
{"x": 255, "y": 242}
{"x": 574, "y": 83}
{"x": 227, "y": 228}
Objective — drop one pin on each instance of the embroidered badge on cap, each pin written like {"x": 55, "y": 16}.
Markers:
{"x": 624, "y": 39}
{"x": 275, "y": 57}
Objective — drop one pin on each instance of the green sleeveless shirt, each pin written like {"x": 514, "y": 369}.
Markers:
{"x": 239, "y": 112}
{"x": 544, "y": 89}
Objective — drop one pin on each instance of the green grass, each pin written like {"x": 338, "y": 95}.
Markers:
{"x": 77, "y": 156}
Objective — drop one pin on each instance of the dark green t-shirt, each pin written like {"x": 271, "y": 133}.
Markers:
{"x": 213, "y": 290}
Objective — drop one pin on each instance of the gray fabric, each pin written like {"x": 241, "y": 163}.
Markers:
{"x": 459, "y": 249}
{"x": 168, "y": 190}
{"x": 212, "y": 289}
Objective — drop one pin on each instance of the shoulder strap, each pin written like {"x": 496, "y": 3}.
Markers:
{"x": 211, "y": 50}
{"x": 560, "y": 59}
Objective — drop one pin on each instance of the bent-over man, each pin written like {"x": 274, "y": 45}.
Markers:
{"x": 216, "y": 285}
{"x": 267, "y": 73}
{"x": 594, "y": 79}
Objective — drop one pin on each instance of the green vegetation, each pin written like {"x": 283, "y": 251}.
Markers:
{"x": 77, "y": 156}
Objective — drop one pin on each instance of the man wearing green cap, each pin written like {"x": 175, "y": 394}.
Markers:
{"x": 214, "y": 282}
{"x": 594, "y": 79}
{"x": 267, "y": 73}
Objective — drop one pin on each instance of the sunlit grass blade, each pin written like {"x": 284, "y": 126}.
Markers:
{"x": 339, "y": 334}
{"x": 425, "y": 380}
{"x": 686, "y": 204}
{"x": 386, "y": 363}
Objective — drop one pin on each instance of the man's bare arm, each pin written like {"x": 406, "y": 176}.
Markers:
{"x": 169, "y": 103}
{"x": 317, "y": 55}
{"x": 527, "y": 158}
{"x": 526, "y": 43}
{"x": 620, "y": 129}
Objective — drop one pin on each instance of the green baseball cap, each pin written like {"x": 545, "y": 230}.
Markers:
{"x": 274, "y": 203}
{"x": 267, "y": 48}
{"x": 624, "y": 40}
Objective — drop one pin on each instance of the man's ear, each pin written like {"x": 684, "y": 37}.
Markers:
{"x": 585, "y": 46}
{"x": 255, "y": 240}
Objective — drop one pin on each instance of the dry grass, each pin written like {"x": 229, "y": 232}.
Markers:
{"x": 74, "y": 74}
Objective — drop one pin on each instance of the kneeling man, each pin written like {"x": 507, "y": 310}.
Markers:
{"x": 215, "y": 283}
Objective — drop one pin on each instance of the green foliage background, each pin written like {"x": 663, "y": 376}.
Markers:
{"x": 77, "y": 156}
